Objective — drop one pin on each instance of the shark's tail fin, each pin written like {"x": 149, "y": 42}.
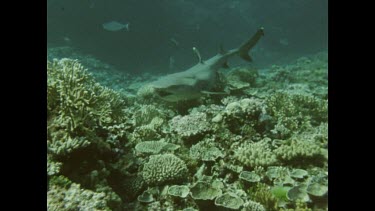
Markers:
{"x": 245, "y": 48}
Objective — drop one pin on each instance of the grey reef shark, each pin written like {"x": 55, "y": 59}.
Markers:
{"x": 202, "y": 77}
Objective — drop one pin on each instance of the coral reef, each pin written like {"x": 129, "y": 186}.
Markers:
{"x": 261, "y": 146}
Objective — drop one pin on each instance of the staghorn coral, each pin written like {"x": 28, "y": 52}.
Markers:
{"x": 261, "y": 193}
{"x": 255, "y": 154}
{"x": 53, "y": 167}
{"x": 299, "y": 152}
{"x": 148, "y": 122}
{"x": 148, "y": 132}
{"x": 145, "y": 113}
{"x": 164, "y": 168}
{"x": 252, "y": 206}
{"x": 78, "y": 108}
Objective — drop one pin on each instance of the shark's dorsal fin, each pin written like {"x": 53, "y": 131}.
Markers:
{"x": 198, "y": 55}
{"x": 221, "y": 50}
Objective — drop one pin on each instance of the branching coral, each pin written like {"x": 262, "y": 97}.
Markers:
{"x": 78, "y": 108}
{"x": 253, "y": 206}
{"x": 295, "y": 112}
{"x": 261, "y": 193}
{"x": 102, "y": 145}
{"x": 255, "y": 154}
{"x": 299, "y": 152}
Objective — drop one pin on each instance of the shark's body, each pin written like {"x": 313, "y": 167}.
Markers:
{"x": 200, "y": 78}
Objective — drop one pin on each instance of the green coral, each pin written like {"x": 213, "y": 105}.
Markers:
{"x": 164, "y": 168}
{"x": 179, "y": 190}
{"x": 206, "y": 151}
{"x": 261, "y": 193}
{"x": 75, "y": 198}
{"x": 299, "y": 152}
{"x": 145, "y": 114}
{"x": 78, "y": 108}
{"x": 295, "y": 112}
{"x": 229, "y": 200}
{"x": 254, "y": 154}
{"x": 249, "y": 176}
{"x": 133, "y": 186}
{"x": 149, "y": 131}
{"x": 53, "y": 167}
{"x": 155, "y": 147}
{"x": 205, "y": 191}
{"x": 252, "y": 206}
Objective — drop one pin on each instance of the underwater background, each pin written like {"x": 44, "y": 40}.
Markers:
{"x": 257, "y": 139}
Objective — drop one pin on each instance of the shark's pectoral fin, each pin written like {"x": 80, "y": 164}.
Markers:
{"x": 214, "y": 93}
{"x": 225, "y": 65}
{"x": 244, "y": 55}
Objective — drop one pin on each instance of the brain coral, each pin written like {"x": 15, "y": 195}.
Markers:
{"x": 164, "y": 168}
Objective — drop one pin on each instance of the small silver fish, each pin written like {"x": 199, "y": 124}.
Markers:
{"x": 115, "y": 26}
{"x": 171, "y": 63}
{"x": 174, "y": 41}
